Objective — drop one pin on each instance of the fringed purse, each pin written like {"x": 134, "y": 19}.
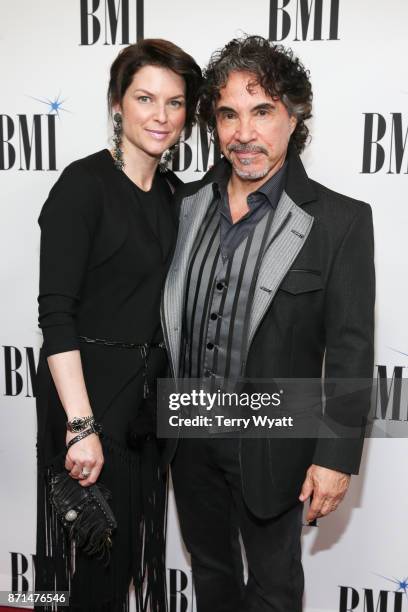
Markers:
{"x": 84, "y": 513}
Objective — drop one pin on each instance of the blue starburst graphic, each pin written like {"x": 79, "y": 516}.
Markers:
{"x": 55, "y": 105}
{"x": 397, "y": 351}
{"x": 402, "y": 585}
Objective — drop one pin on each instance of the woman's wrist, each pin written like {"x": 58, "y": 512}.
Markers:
{"x": 76, "y": 409}
{"x": 94, "y": 428}
{"x": 80, "y": 423}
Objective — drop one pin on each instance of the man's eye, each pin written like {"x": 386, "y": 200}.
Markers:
{"x": 262, "y": 112}
{"x": 228, "y": 115}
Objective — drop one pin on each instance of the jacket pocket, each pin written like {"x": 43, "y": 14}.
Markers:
{"x": 302, "y": 281}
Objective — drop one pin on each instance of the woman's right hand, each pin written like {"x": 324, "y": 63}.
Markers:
{"x": 87, "y": 455}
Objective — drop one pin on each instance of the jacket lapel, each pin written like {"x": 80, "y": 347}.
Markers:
{"x": 288, "y": 233}
{"x": 192, "y": 213}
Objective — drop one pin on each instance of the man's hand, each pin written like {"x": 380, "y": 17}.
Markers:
{"x": 328, "y": 488}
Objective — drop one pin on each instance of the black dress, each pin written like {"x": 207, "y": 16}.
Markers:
{"x": 105, "y": 249}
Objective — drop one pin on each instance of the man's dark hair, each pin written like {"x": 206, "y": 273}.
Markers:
{"x": 156, "y": 52}
{"x": 275, "y": 69}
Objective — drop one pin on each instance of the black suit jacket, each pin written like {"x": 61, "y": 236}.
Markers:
{"x": 322, "y": 312}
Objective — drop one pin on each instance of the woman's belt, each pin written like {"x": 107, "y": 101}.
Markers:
{"x": 143, "y": 348}
{"x": 121, "y": 344}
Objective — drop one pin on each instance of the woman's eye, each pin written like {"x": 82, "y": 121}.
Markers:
{"x": 176, "y": 103}
{"x": 144, "y": 99}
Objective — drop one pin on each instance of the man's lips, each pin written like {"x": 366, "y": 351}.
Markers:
{"x": 157, "y": 134}
{"x": 247, "y": 157}
{"x": 247, "y": 153}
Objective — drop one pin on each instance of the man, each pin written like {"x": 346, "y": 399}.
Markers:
{"x": 272, "y": 276}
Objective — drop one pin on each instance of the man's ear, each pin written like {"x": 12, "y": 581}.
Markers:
{"x": 292, "y": 124}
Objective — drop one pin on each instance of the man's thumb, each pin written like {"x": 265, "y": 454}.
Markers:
{"x": 307, "y": 489}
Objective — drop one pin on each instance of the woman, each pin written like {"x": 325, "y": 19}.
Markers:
{"x": 107, "y": 233}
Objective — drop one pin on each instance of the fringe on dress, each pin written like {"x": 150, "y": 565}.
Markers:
{"x": 139, "y": 503}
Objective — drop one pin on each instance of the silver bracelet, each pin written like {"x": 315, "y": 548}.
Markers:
{"x": 94, "y": 428}
{"x": 79, "y": 424}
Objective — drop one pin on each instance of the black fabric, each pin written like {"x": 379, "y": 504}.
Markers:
{"x": 323, "y": 312}
{"x": 102, "y": 268}
{"x": 93, "y": 232}
{"x": 212, "y": 512}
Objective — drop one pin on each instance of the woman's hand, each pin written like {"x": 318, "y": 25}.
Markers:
{"x": 84, "y": 455}
{"x": 67, "y": 374}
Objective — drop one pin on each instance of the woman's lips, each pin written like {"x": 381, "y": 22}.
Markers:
{"x": 158, "y": 135}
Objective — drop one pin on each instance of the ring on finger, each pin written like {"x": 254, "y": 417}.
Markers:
{"x": 85, "y": 472}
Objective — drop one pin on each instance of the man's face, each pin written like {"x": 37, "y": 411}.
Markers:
{"x": 253, "y": 128}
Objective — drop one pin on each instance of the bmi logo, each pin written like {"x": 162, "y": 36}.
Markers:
{"x": 180, "y": 584}
{"x": 199, "y": 153}
{"x": 20, "y": 371}
{"x": 111, "y": 22}
{"x": 304, "y": 20}
{"x": 180, "y": 590}
{"x": 385, "y": 144}
{"x": 28, "y": 141}
{"x": 371, "y": 600}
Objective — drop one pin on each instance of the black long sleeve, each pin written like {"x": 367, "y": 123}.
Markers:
{"x": 68, "y": 221}
{"x": 350, "y": 334}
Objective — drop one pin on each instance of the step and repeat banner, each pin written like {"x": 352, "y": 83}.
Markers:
{"x": 55, "y": 58}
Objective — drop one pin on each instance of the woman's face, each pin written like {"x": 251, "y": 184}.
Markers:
{"x": 153, "y": 110}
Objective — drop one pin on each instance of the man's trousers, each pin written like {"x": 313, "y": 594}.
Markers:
{"x": 212, "y": 513}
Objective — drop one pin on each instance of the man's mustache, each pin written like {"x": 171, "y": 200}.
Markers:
{"x": 246, "y": 148}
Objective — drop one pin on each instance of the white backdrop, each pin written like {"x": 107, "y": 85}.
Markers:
{"x": 55, "y": 58}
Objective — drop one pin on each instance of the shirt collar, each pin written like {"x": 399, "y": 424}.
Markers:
{"x": 271, "y": 189}
{"x": 220, "y": 185}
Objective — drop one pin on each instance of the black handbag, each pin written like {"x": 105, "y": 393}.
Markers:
{"x": 84, "y": 513}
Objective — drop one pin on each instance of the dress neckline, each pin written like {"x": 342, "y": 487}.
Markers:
{"x": 129, "y": 180}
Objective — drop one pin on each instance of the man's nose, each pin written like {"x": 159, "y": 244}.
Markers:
{"x": 245, "y": 131}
